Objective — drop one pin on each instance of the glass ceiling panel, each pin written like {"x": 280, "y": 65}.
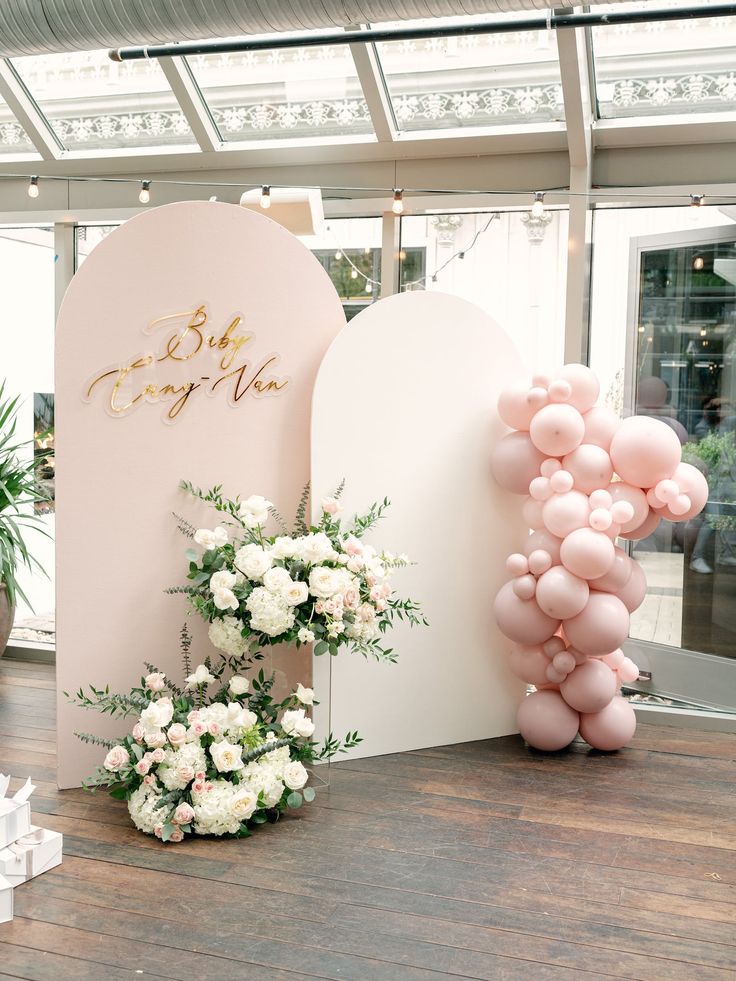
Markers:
{"x": 478, "y": 80}
{"x": 13, "y": 138}
{"x": 653, "y": 69}
{"x": 94, "y": 103}
{"x": 283, "y": 94}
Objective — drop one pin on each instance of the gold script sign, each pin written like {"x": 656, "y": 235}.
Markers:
{"x": 191, "y": 358}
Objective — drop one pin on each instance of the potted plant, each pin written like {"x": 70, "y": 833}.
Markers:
{"x": 19, "y": 491}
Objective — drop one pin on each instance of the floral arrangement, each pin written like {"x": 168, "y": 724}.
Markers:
{"x": 211, "y": 757}
{"x": 320, "y": 584}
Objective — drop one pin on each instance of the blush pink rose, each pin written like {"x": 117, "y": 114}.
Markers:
{"x": 158, "y": 830}
{"x": 185, "y": 772}
{"x": 213, "y": 728}
{"x": 200, "y": 775}
{"x": 158, "y": 755}
{"x": 193, "y": 716}
{"x": 184, "y": 814}
{"x": 177, "y": 734}
{"x": 150, "y": 780}
{"x": 352, "y": 546}
{"x": 154, "y": 740}
{"x": 199, "y": 729}
{"x": 143, "y": 766}
{"x": 138, "y": 732}
{"x": 177, "y": 835}
{"x": 198, "y": 787}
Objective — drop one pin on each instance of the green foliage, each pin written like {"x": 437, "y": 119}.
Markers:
{"x": 300, "y": 523}
{"x": 716, "y": 450}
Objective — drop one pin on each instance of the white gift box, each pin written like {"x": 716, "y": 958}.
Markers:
{"x": 31, "y": 855}
{"x": 15, "y": 812}
{"x": 6, "y": 901}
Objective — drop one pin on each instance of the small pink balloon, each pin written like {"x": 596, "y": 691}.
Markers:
{"x": 628, "y": 671}
{"x": 600, "y": 499}
{"x": 540, "y": 489}
{"x": 587, "y": 553}
{"x": 524, "y": 586}
{"x": 529, "y": 663}
{"x": 550, "y": 466}
{"x": 543, "y": 541}
{"x": 560, "y": 594}
{"x": 644, "y": 530}
{"x": 615, "y": 659}
{"x": 564, "y": 662}
{"x": 541, "y": 381}
{"x": 694, "y": 486}
{"x": 601, "y": 627}
{"x": 560, "y": 390}
{"x": 666, "y": 491}
{"x": 561, "y": 482}
{"x": 680, "y": 506}
{"x": 517, "y": 564}
{"x": 600, "y": 425}
{"x": 633, "y": 593}
{"x": 522, "y": 620}
{"x": 652, "y": 500}
{"x": 644, "y": 451}
{"x": 564, "y": 513}
{"x": 600, "y": 519}
{"x": 553, "y": 646}
{"x": 590, "y": 687}
{"x": 546, "y": 721}
{"x": 554, "y": 675}
{"x": 537, "y": 397}
{"x": 515, "y": 462}
{"x": 532, "y": 513}
{"x": 557, "y": 429}
{"x": 611, "y": 728}
{"x": 617, "y": 576}
{"x": 584, "y": 384}
{"x": 539, "y": 561}
{"x": 580, "y": 658}
{"x": 515, "y": 409}
{"x": 621, "y": 491}
{"x": 590, "y": 466}
{"x": 622, "y": 512}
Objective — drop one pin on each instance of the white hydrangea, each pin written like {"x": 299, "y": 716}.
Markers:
{"x": 180, "y": 766}
{"x": 225, "y": 635}
{"x": 142, "y": 809}
{"x": 270, "y": 613}
{"x": 213, "y": 810}
{"x": 263, "y": 778}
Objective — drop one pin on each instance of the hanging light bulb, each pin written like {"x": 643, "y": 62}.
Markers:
{"x": 698, "y": 262}
{"x": 145, "y": 193}
{"x": 353, "y": 273}
{"x": 538, "y": 205}
{"x": 367, "y": 250}
{"x": 266, "y": 196}
{"x": 697, "y": 200}
{"x": 33, "y": 187}
{"x": 703, "y": 332}
{"x": 398, "y": 205}
{"x": 369, "y": 287}
{"x": 338, "y": 255}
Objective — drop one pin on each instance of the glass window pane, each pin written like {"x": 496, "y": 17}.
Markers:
{"x": 94, "y": 103}
{"x": 283, "y": 94}
{"x": 478, "y": 80}
{"x": 676, "y": 67}
{"x": 350, "y": 251}
{"x": 13, "y": 138}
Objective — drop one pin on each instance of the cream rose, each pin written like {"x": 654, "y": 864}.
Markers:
{"x": 116, "y": 759}
{"x": 296, "y": 593}
{"x": 201, "y": 676}
{"x": 253, "y": 561}
{"x": 305, "y": 695}
{"x": 238, "y": 685}
{"x": 226, "y": 756}
{"x": 157, "y": 714}
{"x": 156, "y": 681}
{"x": 211, "y": 539}
{"x": 296, "y": 723}
{"x": 243, "y": 804}
{"x": 276, "y": 580}
{"x": 177, "y": 734}
{"x": 295, "y": 775}
{"x": 324, "y": 582}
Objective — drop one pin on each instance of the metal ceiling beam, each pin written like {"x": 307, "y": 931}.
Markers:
{"x": 25, "y": 110}
{"x": 192, "y": 104}
{"x": 375, "y": 90}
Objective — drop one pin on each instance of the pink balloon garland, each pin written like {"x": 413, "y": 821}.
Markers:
{"x": 588, "y": 478}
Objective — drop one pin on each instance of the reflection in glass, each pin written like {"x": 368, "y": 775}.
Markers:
{"x": 13, "y": 138}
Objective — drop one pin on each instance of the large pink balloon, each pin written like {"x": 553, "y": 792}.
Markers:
{"x": 590, "y": 466}
{"x": 590, "y": 687}
{"x": 560, "y": 594}
{"x": 557, "y": 429}
{"x": 546, "y": 721}
{"x": 644, "y": 451}
{"x": 601, "y": 627}
{"x": 587, "y": 553}
{"x": 611, "y": 728}
{"x": 564, "y": 513}
{"x": 691, "y": 482}
{"x": 621, "y": 491}
{"x": 515, "y": 408}
{"x": 617, "y": 576}
{"x": 633, "y": 593}
{"x": 532, "y": 513}
{"x": 544, "y": 541}
{"x": 515, "y": 462}
{"x": 645, "y": 529}
{"x": 530, "y": 663}
{"x": 651, "y": 392}
{"x": 600, "y": 425}
{"x": 584, "y": 384}
{"x": 522, "y": 620}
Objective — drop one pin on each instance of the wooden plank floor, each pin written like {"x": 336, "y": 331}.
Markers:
{"x": 476, "y": 861}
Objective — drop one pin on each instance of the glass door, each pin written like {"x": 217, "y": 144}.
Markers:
{"x": 682, "y": 369}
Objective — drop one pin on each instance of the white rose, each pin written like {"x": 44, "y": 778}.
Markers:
{"x": 239, "y": 717}
{"x": 238, "y": 685}
{"x": 324, "y": 582}
{"x": 296, "y": 723}
{"x": 253, "y": 512}
{"x": 243, "y": 804}
{"x": 225, "y": 599}
{"x": 211, "y": 539}
{"x": 156, "y": 681}
{"x": 253, "y": 561}
{"x": 296, "y": 593}
{"x": 277, "y": 580}
{"x": 295, "y": 776}
{"x": 116, "y": 759}
{"x": 157, "y": 714}
{"x": 201, "y": 676}
{"x": 305, "y": 636}
{"x": 284, "y": 547}
{"x": 222, "y": 580}
{"x": 315, "y": 548}
{"x": 305, "y": 695}
{"x": 226, "y": 756}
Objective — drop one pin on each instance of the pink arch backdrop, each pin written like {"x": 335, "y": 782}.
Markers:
{"x": 587, "y": 478}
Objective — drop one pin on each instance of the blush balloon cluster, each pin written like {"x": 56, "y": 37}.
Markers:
{"x": 588, "y": 478}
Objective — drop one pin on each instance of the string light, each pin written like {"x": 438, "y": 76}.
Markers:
{"x": 697, "y": 200}
{"x": 353, "y": 273}
{"x": 367, "y": 250}
{"x": 538, "y": 205}
{"x": 266, "y": 196}
{"x": 338, "y": 255}
{"x": 369, "y": 286}
{"x": 33, "y": 187}
{"x": 398, "y": 204}
{"x": 698, "y": 262}
{"x": 460, "y": 254}
{"x": 145, "y": 193}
